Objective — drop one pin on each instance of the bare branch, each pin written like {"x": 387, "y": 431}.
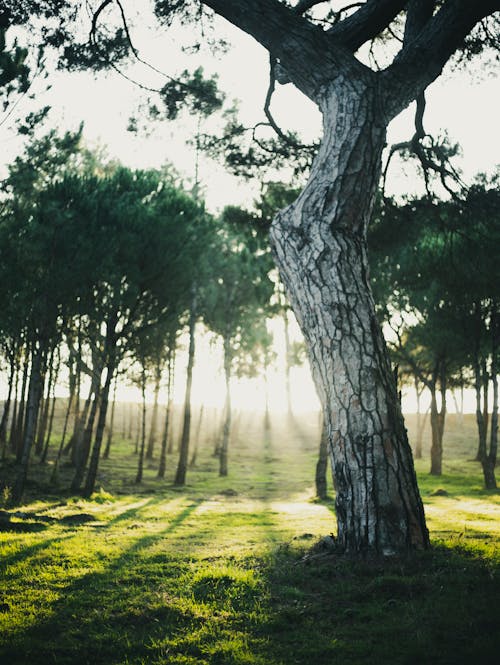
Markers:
{"x": 368, "y": 22}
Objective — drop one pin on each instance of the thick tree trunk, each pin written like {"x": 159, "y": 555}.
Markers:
{"x": 32, "y": 407}
{"x": 319, "y": 244}
{"x": 226, "y": 429}
{"x": 180, "y": 475}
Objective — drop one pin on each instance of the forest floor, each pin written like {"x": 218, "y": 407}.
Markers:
{"x": 220, "y": 572}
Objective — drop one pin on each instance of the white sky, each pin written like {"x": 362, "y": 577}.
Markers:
{"x": 465, "y": 103}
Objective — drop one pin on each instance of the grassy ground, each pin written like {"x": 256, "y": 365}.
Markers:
{"x": 214, "y": 573}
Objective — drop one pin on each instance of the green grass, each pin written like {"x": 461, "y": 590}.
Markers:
{"x": 214, "y": 573}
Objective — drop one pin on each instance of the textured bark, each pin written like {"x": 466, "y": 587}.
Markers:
{"x": 319, "y": 244}
{"x": 180, "y": 474}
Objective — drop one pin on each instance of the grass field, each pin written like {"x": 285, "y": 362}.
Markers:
{"x": 215, "y": 573}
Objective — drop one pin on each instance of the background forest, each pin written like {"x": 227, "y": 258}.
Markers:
{"x": 169, "y": 483}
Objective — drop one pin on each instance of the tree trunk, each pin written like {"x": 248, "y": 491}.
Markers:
{"x": 287, "y": 365}
{"x": 55, "y": 470}
{"x": 180, "y": 475}
{"x": 319, "y": 244}
{"x": 489, "y": 461}
{"x": 322, "y": 463}
{"x": 18, "y": 434}
{"x": 6, "y": 407}
{"x": 480, "y": 411}
{"x": 12, "y": 434}
{"x": 154, "y": 415}
{"x": 437, "y": 422}
{"x": 140, "y": 465}
{"x": 168, "y": 412}
{"x": 32, "y": 407}
{"x": 111, "y": 423}
{"x": 227, "y": 410}
{"x": 192, "y": 462}
{"x": 420, "y": 421}
{"x": 82, "y": 447}
{"x": 101, "y": 423}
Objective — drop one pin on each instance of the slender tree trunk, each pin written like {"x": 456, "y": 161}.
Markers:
{"x": 48, "y": 435}
{"x": 6, "y": 407}
{"x": 154, "y": 415}
{"x": 19, "y": 430}
{"x": 420, "y": 421}
{"x": 489, "y": 461}
{"x": 197, "y": 435}
{"x": 82, "y": 447}
{"x": 103, "y": 411}
{"x": 322, "y": 463}
{"x": 168, "y": 411}
{"x": 32, "y": 407}
{"x": 227, "y": 410}
{"x": 288, "y": 353}
{"x": 180, "y": 475}
{"x": 319, "y": 244}
{"x": 111, "y": 422}
{"x": 437, "y": 423}
{"x": 45, "y": 407}
{"x": 12, "y": 435}
{"x": 140, "y": 465}
{"x": 55, "y": 470}
{"x": 480, "y": 410}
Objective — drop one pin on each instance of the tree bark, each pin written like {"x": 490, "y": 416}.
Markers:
{"x": 6, "y": 407}
{"x": 319, "y": 243}
{"x": 180, "y": 475}
{"x": 82, "y": 447}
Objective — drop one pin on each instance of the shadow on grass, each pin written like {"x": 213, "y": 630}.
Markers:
{"x": 100, "y": 617}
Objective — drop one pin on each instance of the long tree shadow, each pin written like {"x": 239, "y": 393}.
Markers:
{"x": 98, "y": 616}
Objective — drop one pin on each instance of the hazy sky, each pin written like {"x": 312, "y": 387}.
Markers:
{"x": 464, "y": 103}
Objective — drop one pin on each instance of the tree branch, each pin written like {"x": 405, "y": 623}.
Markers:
{"x": 422, "y": 58}
{"x": 368, "y": 22}
{"x": 307, "y": 53}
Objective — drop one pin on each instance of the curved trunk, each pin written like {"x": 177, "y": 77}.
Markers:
{"x": 319, "y": 244}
